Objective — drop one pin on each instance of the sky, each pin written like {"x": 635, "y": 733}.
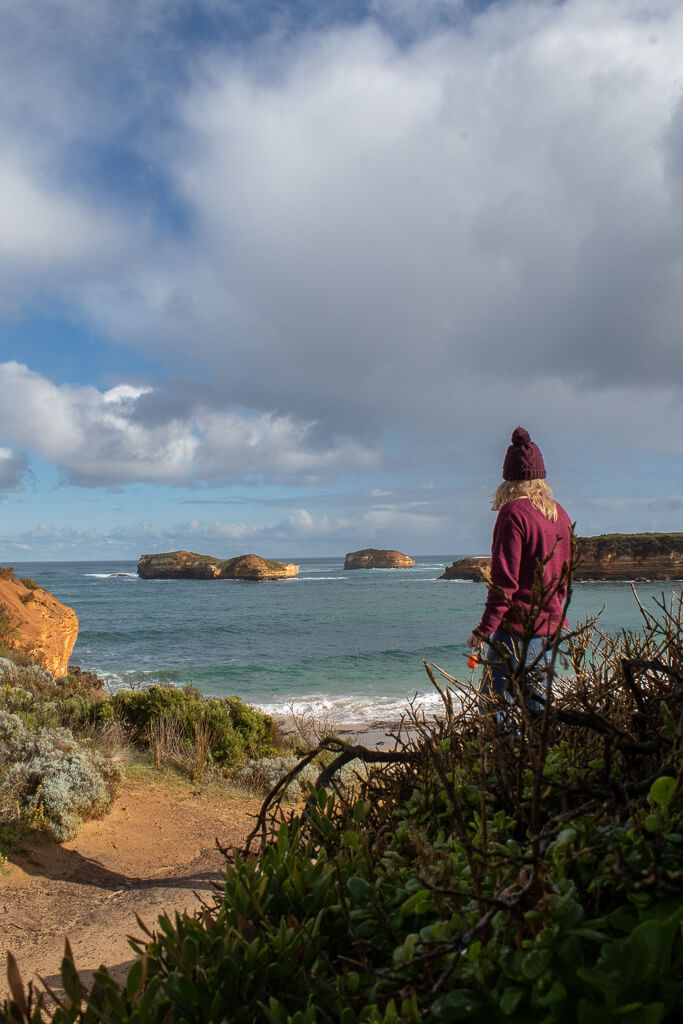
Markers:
{"x": 284, "y": 276}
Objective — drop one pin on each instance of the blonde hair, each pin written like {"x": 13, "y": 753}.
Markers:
{"x": 537, "y": 491}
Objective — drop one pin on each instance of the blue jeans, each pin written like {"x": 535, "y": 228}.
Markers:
{"x": 497, "y": 670}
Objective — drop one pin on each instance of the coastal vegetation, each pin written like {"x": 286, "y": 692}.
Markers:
{"x": 62, "y": 742}
{"x": 499, "y": 864}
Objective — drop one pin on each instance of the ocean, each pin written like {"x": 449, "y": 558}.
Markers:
{"x": 344, "y": 646}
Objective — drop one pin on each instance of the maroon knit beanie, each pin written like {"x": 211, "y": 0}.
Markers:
{"x": 523, "y": 459}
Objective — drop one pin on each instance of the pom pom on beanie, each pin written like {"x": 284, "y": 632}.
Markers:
{"x": 523, "y": 459}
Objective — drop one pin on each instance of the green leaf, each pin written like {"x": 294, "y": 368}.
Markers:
{"x": 276, "y": 1011}
{"x": 134, "y": 980}
{"x": 662, "y": 790}
{"x": 71, "y": 981}
{"x": 415, "y": 904}
{"x": 566, "y": 836}
{"x": 359, "y": 888}
{"x": 458, "y": 1005}
{"x": 534, "y": 963}
{"x": 410, "y": 1009}
{"x": 637, "y": 1013}
{"x": 557, "y": 993}
{"x": 391, "y": 1013}
{"x": 351, "y": 840}
{"x": 668, "y": 721}
{"x": 283, "y": 839}
{"x": 361, "y": 809}
{"x": 510, "y": 1000}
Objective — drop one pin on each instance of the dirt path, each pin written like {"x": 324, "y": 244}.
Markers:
{"x": 150, "y": 855}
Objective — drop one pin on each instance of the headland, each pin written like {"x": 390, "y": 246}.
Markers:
{"x": 609, "y": 556}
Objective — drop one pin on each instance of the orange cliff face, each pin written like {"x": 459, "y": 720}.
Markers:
{"x": 38, "y": 623}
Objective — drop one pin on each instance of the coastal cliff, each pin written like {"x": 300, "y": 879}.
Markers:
{"x": 635, "y": 556}
{"x": 35, "y": 622}
{"x": 377, "y": 558}
{"x": 610, "y": 556}
{"x": 187, "y": 565}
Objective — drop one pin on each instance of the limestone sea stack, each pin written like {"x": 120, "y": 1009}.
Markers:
{"x": 187, "y": 565}
{"x": 477, "y": 570}
{"x": 610, "y": 556}
{"x": 377, "y": 558}
{"x": 37, "y": 623}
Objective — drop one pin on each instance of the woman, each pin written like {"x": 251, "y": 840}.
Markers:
{"x": 532, "y": 529}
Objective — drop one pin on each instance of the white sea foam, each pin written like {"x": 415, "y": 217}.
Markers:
{"x": 315, "y": 579}
{"x": 350, "y": 711}
{"x": 110, "y": 575}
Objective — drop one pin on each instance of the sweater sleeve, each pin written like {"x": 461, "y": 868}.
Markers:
{"x": 506, "y": 556}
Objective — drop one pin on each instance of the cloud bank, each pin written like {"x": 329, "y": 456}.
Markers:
{"x": 349, "y": 244}
{"x": 107, "y": 438}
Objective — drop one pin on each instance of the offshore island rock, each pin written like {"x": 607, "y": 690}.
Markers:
{"x": 477, "y": 570}
{"x": 37, "y": 623}
{"x": 610, "y": 556}
{"x": 376, "y": 558}
{"x": 187, "y": 565}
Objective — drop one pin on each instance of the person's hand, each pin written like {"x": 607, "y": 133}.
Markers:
{"x": 473, "y": 640}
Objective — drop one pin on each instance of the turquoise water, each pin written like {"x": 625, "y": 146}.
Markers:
{"x": 346, "y": 644}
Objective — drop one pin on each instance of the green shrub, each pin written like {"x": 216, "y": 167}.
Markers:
{"x": 22, "y": 693}
{"x": 43, "y": 701}
{"x": 29, "y": 583}
{"x": 55, "y": 782}
{"x": 232, "y": 727}
{"x": 255, "y": 728}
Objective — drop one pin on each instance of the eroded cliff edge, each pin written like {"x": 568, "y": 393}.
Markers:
{"x": 188, "y": 565}
{"x": 35, "y": 622}
{"x": 610, "y": 556}
{"x": 378, "y": 558}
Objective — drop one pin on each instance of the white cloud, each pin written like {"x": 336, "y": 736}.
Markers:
{"x": 13, "y": 470}
{"x": 44, "y": 228}
{"x": 102, "y": 438}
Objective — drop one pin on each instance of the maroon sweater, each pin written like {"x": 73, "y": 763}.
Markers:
{"x": 522, "y": 537}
